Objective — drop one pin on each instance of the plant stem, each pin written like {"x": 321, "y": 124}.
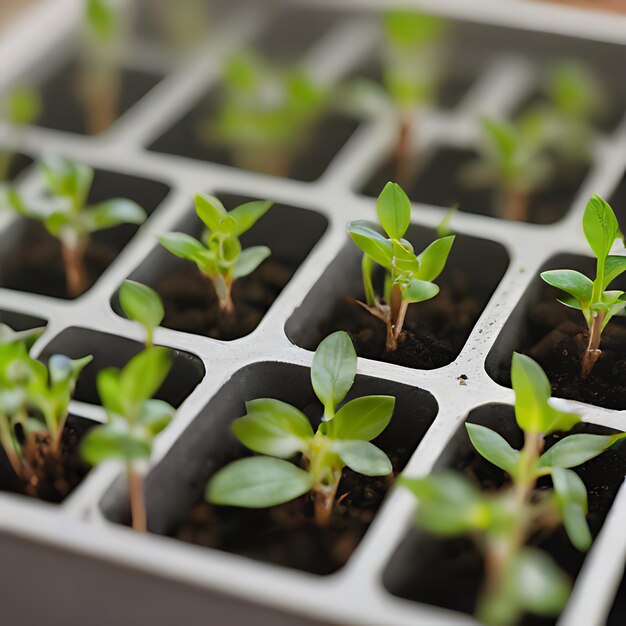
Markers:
{"x": 516, "y": 203}
{"x": 6, "y": 440}
{"x": 592, "y": 351}
{"x": 324, "y": 499}
{"x": 100, "y": 91}
{"x": 223, "y": 289}
{"x": 5, "y": 164}
{"x": 137, "y": 503}
{"x": 404, "y": 144}
{"x": 57, "y": 439}
{"x": 396, "y": 319}
{"x": 76, "y": 278}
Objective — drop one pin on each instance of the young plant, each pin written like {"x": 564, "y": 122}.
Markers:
{"x": 99, "y": 79}
{"x": 219, "y": 256}
{"x": 518, "y": 578}
{"x": 34, "y": 401}
{"x": 134, "y": 420}
{"x": 20, "y": 107}
{"x": 66, "y": 216}
{"x": 598, "y": 305}
{"x": 279, "y": 431}
{"x": 412, "y": 59}
{"x": 408, "y": 277}
{"x": 512, "y": 160}
{"x": 266, "y": 113}
{"x": 142, "y": 304}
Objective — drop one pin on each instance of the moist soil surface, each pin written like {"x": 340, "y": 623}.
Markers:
{"x": 438, "y": 181}
{"x": 434, "y": 331}
{"x": 286, "y": 534}
{"x": 36, "y": 265}
{"x": 556, "y": 338}
{"x": 448, "y": 572}
{"x": 51, "y": 478}
{"x": 191, "y": 305}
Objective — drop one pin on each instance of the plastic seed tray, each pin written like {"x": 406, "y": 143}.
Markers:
{"x": 74, "y": 562}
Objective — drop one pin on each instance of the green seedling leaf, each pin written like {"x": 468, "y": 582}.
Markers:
{"x": 434, "y": 258}
{"x": 532, "y": 393}
{"x": 109, "y": 389}
{"x": 411, "y": 28}
{"x": 575, "y": 450}
{"x": 615, "y": 266}
{"x": 141, "y": 304}
{"x": 600, "y": 226}
{"x": 367, "y": 271}
{"x": 571, "y": 282}
{"x": 274, "y": 428}
{"x": 571, "y": 497}
{"x": 372, "y": 243}
{"x": 249, "y": 260}
{"x": 394, "y": 210}
{"x": 538, "y": 584}
{"x": 258, "y": 482}
{"x": 155, "y": 416}
{"x": 113, "y": 441}
{"x": 246, "y": 215}
{"x": 449, "y": 504}
{"x": 363, "y": 418}
{"x": 144, "y": 374}
{"x": 443, "y": 228}
{"x": 493, "y": 447}
{"x": 363, "y": 457}
{"x": 183, "y": 246}
{"x": 101, "y": 17}
{"x": 333, "y": 370}
{"x": 418, "y": 290}
{"x": 112, "y": 213}
{"x": 23, "y": 106}
{"x": 210, "y": 210}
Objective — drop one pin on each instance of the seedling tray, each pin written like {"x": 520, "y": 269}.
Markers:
{"x": 76, "y": 562}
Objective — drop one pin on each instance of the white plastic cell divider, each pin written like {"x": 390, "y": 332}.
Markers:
{"x": 355, "y": 594}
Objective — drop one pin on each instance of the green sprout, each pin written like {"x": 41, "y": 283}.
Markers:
{"x": 412, "y": 59}
{"x": 279, "y": 431}
{"x": 142, "y": 304}
{"x": 134, "y": 420}
{"x": 598, "y": 305}
{"x": 408, "y": 277}
{"x": 100, "y": 76}
{"x": 512, "y": 160}
{"x": 518, "y": 578}
{"x": 266, "y": 113}
{"x": 219, "y": 256}
{"x": 66, "y": 216}
{"x": 20, "y": 107}
{"x": 34, "y": 402}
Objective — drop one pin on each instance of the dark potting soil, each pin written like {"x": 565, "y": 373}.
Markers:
{"x": 438, "y": 181}
{"x": 36, "y": 264}
{"x": 187, "y": 138}
{"x": 191, "y": 305}
{"x": 286, "y": 534}
{"x": 555, "y": 336}
{"x": 449, "y": 572}
{"x": 63, "y": 108}
{"x": 52, "y": 478}
{"x": 434, "y": 331}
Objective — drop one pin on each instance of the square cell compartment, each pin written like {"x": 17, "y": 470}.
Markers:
{"x": 447, "y": 572}
{"x": 436, "y": 329}
{"x": 30, "y": 258}
{"x": 555, "y": 336}
{"x": 189, "y": 298}
{"x": 281, "y": 535}
{"x": 112, "y": 351}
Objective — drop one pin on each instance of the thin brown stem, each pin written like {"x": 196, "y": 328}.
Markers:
{"x": 76, "y": 278}
{"x": 516, "y": 202}
{"x": 100, "y": 87}
{"x": 137, "y": 503}
{"x": 324, "y": 500}
{"x": 592, "y": 351}
{"x": 399, "y": 323}
{"x": 404, "y": 147}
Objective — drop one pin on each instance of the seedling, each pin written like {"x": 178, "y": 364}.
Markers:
{"x": 412, "y": 58}
{"x": 518, "y": 578}
{"x": 598, "y": 305}
{"x": 66, "y": 216}
{"x": 513, "y": 160}
{"x": 100, "y": 76}
{"x": 20, "y": 107}
{"x": 142, "y": 304}
{"x": 266, "y": 113}
{"x": 134, "y": 420}
{"x": 219, "y": 256}
{"x": 279, "y": 431}
{"x": 34, "y": 402}
{"x": 408, "y": 277}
